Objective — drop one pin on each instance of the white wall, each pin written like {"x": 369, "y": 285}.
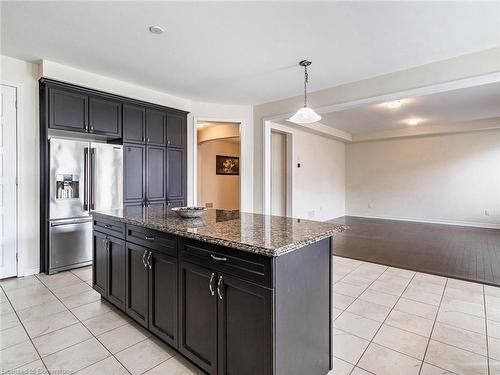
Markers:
{"x": 445, "y": 178}
{"x": 318, "y": 186}
{"x": 25, "y": 75}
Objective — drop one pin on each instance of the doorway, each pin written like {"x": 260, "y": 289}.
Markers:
{"x": 218, "y": 165}
{"x": 278, "y": 173}
{"x": 8, "y": 183}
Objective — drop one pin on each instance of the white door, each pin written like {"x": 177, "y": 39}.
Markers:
{"x": 278, "y": 174}
{"x": 8, "y": 189}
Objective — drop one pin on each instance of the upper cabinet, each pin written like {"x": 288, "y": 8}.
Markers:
{"x": 68, "y": 110}
{"x": 105, "y": 117}
{"x": 134, "y": 124}
{"x": 176, "y": 130}
{"x": 156, "y": 127}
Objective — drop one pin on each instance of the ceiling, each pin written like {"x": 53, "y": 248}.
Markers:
{"x": 473, "y": 103}
{"x": 245, "y": 52}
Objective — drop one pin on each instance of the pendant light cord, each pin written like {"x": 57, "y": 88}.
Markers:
{"x": 306, "y": 80}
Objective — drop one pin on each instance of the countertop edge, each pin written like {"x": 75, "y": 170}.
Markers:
{"x": 231, "y": 244}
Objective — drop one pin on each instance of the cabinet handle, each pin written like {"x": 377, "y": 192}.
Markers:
{"x": 168, "y": 141}
{"x": 107, "y": 244}
{"x": 219, "y": 259}
{"x": 143, "y": 139}
{"x": 149, "y": 259}
{"x": 147, "y": 139}
{"x": 143, "y": 258}
{"x": 149, "y": 238}
{"x": 108, "y": 225}
{"x": 212, "y": 291}
{"x": 218, "y": 288}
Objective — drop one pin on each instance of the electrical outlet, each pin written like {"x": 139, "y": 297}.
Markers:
{"x": 209, "y": 205}
{"x": 487, "y": 212}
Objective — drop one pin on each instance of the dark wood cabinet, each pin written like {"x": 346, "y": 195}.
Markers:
{"x": 68, "y": 110}
{"x": 176, "y": 174}
{"x": 108, "y": 273}
{"x": 100, "y": 263}
{"x": 137, "y": 283}
{"x": 198, "y": 315}
{"x": 163, "y": 296}
{"x": 105, "y": 117}
{"x": 116, "y": 272}
{"x": 156, "y": 172}
{"x": 156, "y": 127}
{"x": 176, "y": 130}
{"x": 133, "y": 173}
{"x": 134, "y": 124}
{"x": 244, "y": 321}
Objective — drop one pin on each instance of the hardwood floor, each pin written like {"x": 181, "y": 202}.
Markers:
{"x": 466, "y": 253}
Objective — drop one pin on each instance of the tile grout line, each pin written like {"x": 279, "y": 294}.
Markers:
{"x": 486, "y": 328}
{"x": 82, "y": 322}
{"x": 371, "y": 341}
{"x": 27, "y": 334}
{"x": 433, "y": 325}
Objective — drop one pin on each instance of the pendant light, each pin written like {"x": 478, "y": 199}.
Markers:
{"x": 305, "y": 115}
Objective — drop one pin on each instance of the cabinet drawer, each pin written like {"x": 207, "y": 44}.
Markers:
{"x": 164, "y": 242}
{"x": 253, "y": 267}
{"x": 113, "y": 228}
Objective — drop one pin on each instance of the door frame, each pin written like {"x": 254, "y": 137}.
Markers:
{"x": 19, "y": 253}
{"x": 246, "y": 159}
{"x": 270, "y": 126}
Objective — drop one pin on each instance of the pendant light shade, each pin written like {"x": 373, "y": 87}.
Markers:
{"x": 305, "y": 115}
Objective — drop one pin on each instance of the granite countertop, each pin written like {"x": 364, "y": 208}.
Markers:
{"x": 261, "y": 234}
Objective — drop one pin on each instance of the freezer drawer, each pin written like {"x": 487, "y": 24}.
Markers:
{"x": 70, "y": 244}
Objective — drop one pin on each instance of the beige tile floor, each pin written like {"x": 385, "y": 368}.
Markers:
{"x": 387, "y": 321}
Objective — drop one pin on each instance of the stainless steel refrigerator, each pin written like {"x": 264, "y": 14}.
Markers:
{"x": 84, "y": 176}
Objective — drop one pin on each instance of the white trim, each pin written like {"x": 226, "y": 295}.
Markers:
{"x": 246, "y": 151}
{"x": 29, "y": 271}
{"x": 19, "y": 248}
{"x": 429, "y": 221}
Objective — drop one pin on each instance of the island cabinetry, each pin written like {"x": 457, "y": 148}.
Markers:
{"x": 109, "y": 262}
{"x": 224, "y": 298}
{"x": 151, "y": 291}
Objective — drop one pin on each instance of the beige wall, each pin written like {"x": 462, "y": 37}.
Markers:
{"x": 445, "y": 178}
{"x": 25, "y": 76}
{"x": 221, "y": 190}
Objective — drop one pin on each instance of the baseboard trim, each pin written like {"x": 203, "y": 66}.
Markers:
{"x": 29, "y": 271}
{"x": 429, "y": 221}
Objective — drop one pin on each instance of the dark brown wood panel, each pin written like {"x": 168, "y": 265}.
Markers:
{"x": 100, "y": 263}
{"x": 116, "y": 272}
{"x": 137, "y": 283}
{"x": 134, "y": 174}
{"x": 105, "y": 117}
{"x": 466, "y": 253}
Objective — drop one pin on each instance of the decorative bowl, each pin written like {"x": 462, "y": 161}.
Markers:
{"x": 189, "y": 212}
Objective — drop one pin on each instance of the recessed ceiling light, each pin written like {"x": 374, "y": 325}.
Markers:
{"x": 393, "y": 105}
{"x": 413, "y": 121}
{"x": 156, "y": 30}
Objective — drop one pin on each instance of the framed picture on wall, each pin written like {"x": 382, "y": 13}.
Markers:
{"x": 229, "y": 165}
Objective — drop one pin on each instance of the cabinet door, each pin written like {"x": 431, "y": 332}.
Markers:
{"x": 133, "y": 170}
{"x": 116, "y": 272}
{"x": 137, "y": 283}
{"x": 105, "y": 117}
{"x": 68, "y": 110}
{"x": 156, "y": 127}
{"x": 100, "y": 263}
{"x": 172, "y": 204}
{"x": 244, "y": 327}
{"x": 134, "y": 123}
{"x": 155, "y": 173}
{"x": 176, "y": 174}
{"x": 176, "y": 130}
{"x": 198, "y": 316}
{"x": 163, "y": 297}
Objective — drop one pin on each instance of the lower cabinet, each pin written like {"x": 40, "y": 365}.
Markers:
{"x": 225, "y": 322}
{"x": 151, "y": 297}
{"x": 109, "y": 268}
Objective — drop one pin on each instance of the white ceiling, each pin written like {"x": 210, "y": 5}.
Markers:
{"x": 474, "y": 103}
{"x": 245, "y": 52}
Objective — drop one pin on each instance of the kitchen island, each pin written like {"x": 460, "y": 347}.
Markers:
{"x": 235, "y": 293}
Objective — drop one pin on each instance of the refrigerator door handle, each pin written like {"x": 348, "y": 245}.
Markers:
{"x": 91, "y": 177}
{"x": 85, "y": 178}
